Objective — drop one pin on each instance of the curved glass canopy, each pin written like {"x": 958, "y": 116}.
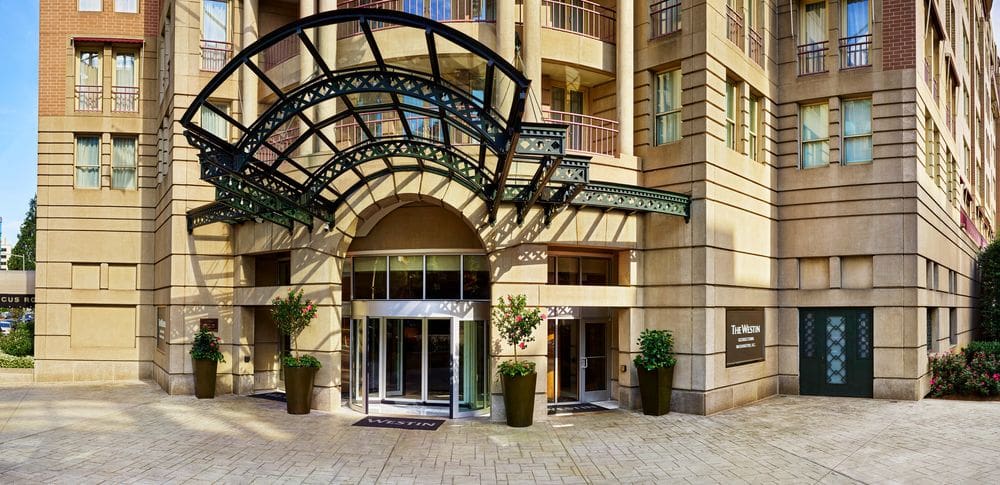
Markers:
{"x": 422, "y": 97}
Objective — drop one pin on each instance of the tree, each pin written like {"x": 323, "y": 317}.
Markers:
{"x": 989, "y": 291}
{"x": 25, "y": 246}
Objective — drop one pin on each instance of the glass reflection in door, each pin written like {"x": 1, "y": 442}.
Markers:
{"x": 595, "y": 362}
{"x": 403, "y": 358}
{"x": 359, "y": 390}
{"x": 438, "y": 359}
{"x": 473, "y": 355}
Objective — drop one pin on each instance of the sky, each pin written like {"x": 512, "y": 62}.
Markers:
{"x": 19, "y": 109}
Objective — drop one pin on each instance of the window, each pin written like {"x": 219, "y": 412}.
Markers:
{"x": 580, "y": 270}
{"x": 272, "y": 269}
{"x": 127, "y": 6}
{"x": 416, "y": 277}
{"x": 932, "y": 330}
{"x": 444, "y": 277}
{"x": 345, "y": 280}
{"x": 406, "y": 277}
{"x": 89, "y": 5}
{"x": 732, "y": 108}
{"x": 214, "y": 122}
{"x": 370, "y": 278}
{"x": 952, "y": 326}
{"x": 668, "y": 107}
{"x": 753, "y": 128}
{"x": 125, "y": 90}
{"x": 215, "y": 46}
{"x": 475, "y": 277}
{"x": 857, "y": 130}
{"x": 856, "y": 41}
{"x": 88, "y": 84}
{"x": 123, "y": 162}
{"x": 812, "y": 40}
{"x": 815, "y": 135}
{"x": 932, "y": 277}
{"x": 952, "y": 281}
{"x": 88, "y": 162}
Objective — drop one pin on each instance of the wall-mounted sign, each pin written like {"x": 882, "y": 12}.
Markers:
{"x": 161, "y": 328}
{"x": 16, "y": 301}
{"x": 210, "y": 324}
{"x": 744, "y": 336}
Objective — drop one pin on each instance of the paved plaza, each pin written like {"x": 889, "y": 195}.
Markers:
{"x": 134, "y": 433}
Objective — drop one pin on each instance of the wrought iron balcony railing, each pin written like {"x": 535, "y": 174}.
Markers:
{"x": 587, "y": 134}
{"x": 125, "y": 99}
{"x": 755, "y": 47}
{"x": 215, "y": 54}
{"x": 281, "y": 140}
{"x": 734, "y": 26}
{"x": 583, "y": 17}
{"x": 438, "y": 10}
{"x": 812, "y": 58}
{"x": 88, "y": 98}
{"x": 387, "y": 124}
{"x": 854, "y": 51}
{"x": 664, "y": 17}
{"x": 284, "y": 50}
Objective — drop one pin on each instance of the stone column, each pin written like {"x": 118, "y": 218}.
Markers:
{"x": 248, "y": 85}
{"x": 531, "y": 53}
{"x": 505, "y": 29}
{"x": 625, "y": 78}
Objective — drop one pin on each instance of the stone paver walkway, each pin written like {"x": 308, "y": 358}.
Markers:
{"x": 134, "y": 433}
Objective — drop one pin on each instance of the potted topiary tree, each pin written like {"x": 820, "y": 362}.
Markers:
{"x": 292, "y": 315}
{"x": 655, "y": 366}
{"x": 516, "y": 325}
{"x": 206, "y": 356}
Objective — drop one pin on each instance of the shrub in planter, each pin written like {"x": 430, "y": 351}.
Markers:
{"x": 655, "y": 368}
{"x": 516, "y": 325}
{"x": 206, "y": 356}
{"x": 292, "y": 315}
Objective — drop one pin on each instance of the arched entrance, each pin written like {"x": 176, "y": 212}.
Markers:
{"x": 418, "y": 311}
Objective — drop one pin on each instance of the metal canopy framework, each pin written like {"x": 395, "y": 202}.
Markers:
{"x": 455, "y": 111}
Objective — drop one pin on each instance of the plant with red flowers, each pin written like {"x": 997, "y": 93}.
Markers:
{"x": 516, "y": 324}
{"x": 292, "y": 315}
{"x": 206, "y": 346}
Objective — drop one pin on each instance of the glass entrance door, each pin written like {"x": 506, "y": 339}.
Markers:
{"x": 358, "y": 396}
{"x": 439, "y": 360}
{"x": 578, "y": 360}
{"x": 594, "y": 364}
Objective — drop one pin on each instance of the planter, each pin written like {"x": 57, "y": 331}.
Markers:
{"x": 654, "y": 388}
{"x": 204, "y": 378}
{"x": 519, "y": 399}
{"x": 299, "y": 388}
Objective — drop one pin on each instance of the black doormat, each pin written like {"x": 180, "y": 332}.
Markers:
{"x": 400, "y": 423}
{"x": 271, "y": 396}
{"x": 584, "y": 407}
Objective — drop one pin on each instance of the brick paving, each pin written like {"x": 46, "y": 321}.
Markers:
{"x": 133, "y": 433}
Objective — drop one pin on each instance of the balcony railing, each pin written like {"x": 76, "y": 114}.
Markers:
{"x": 854, "y": 51}
{"x": 215, "y": 54}
{"x": 280, "y": 140}
{"x": 812, "y": 58}
{"x": 349, "y": 132}
{"x": 284, "y": 50}
{"x": 664, "y": 17}
{"x": 580, "y": 16}
{"x": 755, "y": 47}
{"x": 734, "y": 26}
{"x": 588, "y": 134}
{"x": 439, "y": 10}
{"x": 88, "y": 98}
{"x": 125, "y": 99}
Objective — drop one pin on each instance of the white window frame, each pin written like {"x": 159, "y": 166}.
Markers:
{"x": 84, "y": 5}
{"x": 868, "y": 135}
{"x": 224, "y": 107}
{"x": 121, "y": 7}
{"x": 659, "y": 85}
{"x": 132, "y": 167}
{"x": 77, "y": 165}
{"x": 823, "y": 141}
{"x": 732, "y": 119}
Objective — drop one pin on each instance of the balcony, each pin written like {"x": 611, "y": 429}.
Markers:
{"x": 755, "y": 48}
{"x": 280, "y": 140}
{"x": 439, "y": 10}
{"x": 125, "y": 99}
{"x": 386, "y": 124}
{"x": 812, "y": 58}
{"x": 278, "y": 53}
{"x": 854, "y": 51}
{"x": 215, "y": 54}
{"x": 734, "y": 26}
{"x": 580, "y": 16}
{"x": 88, "y": 98}
{"x": 664, "y": 17}
{"x": 587, "y": 134}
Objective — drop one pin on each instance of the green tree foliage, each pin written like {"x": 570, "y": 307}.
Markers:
{"x": 25, "y": 246}
{"x": 989, "y": 291}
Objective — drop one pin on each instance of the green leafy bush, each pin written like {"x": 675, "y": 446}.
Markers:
{"x": 989, "y": 291}
{"x": 206, "y": 346}
{"x": 12, "y": 362}
{"x": 973, "y": 373}
{"x": 516, "y": 324}
{"x": 304, "y": 361}
{"x": 989, "y": 348}
{"x": 20, "y": 341}
{"x": 656, "y": 349}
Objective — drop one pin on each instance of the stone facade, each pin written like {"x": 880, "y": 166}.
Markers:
{"x": 122, "y": 284}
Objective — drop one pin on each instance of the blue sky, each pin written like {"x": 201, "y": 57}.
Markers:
{"x": 19, "y": 109}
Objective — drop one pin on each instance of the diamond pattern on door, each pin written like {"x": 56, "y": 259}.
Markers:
{"x": 808, "y": 337}
{"x": 864, "y": 337}
{"x": 836, "y": 351}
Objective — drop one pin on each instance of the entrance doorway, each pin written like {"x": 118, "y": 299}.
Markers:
{"x": 836, "y": 352}
{"x": 577, "y": 361}
{"x": 419, "y": 361}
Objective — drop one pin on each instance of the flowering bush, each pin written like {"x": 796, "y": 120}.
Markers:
{"x": 206, "y": 346}
{"x": 956, "y": 373}
{"x": 292, "y": 315}
{"x": 516, "y": 324}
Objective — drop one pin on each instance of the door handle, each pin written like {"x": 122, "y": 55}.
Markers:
{"x": 583, "y": 362}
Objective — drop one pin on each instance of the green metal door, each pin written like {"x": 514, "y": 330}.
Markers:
{"x": 835, "y": 352}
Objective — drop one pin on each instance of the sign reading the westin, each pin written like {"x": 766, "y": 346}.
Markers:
{"x": 744, "y": 336}
{"x": 16, "y": 301}
{"x": 210, "y": 324}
